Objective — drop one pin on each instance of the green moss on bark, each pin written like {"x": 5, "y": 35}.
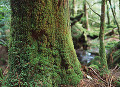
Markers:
{"x": 41, "y": 51}
{"x": 102, "y": 52}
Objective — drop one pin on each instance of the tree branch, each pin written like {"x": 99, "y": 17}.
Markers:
{"x": 92, "y": 9}
{"x": 97, "y": 75}
{"x": 95, "y": 3}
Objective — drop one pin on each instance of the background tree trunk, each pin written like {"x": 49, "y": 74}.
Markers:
{"x": 119, "y": 8}
{"x": 41, "y": 51}
{"x": 108, "y": 15}
{"x": 74, "y": 5}
{"x": 114, "y": 9}
{"x": 85, "y": 23}
{"x": 102, "y": 46}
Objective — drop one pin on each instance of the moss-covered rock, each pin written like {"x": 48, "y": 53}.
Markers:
{"x": 79, "y": 36}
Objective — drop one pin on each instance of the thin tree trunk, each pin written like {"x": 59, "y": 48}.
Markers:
{"x": 108, "y": 15}
{"x": 86, "y": 24}
{"x": 41, "y": 51}
{"x": 115, "y": 18}
{"x": 102, "y": 46}
{"x": 119, "y": 8}
{"x": 114, "y": 9}
{"x": 74, "y": 11}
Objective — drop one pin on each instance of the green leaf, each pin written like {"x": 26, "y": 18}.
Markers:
{"x": 1, "y": 74}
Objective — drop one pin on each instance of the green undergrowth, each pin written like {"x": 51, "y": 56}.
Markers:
{"x": 92, "y": 33}
{"x": 117, "y": 83}
{"x": 95, "y": 62}
{"x": 94, "y": 43}
{"x": 96, "y": 30}
{"x": 111, "y": 26}
{"x": 94, "y": 66}
{"x": 116, "y": 57}
{"x": 110, "y": 44}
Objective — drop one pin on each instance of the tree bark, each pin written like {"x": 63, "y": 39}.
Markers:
{"x": 41, "y": 51}
{"x": 74, "y": 11}
{"x": 119, "y": 8}
{"x": 108, "y": 15}
{"x": 102, "y": 46}
{"x": 86, "y": 24}
{"x": 114, "y": 9}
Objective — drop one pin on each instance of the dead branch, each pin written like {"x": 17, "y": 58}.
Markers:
{"x": 98, "y": 75}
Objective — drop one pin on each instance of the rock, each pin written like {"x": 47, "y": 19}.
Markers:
{"x": 94, "y": 51}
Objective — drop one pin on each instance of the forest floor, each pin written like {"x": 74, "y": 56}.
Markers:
{"x": 92, "y": 77}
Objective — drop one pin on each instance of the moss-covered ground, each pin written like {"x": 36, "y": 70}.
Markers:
{"x": 109, "y": 40}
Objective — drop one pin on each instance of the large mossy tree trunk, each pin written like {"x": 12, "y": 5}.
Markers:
{"x": 41, "y": 51}
{"x": 102, "y": 46}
